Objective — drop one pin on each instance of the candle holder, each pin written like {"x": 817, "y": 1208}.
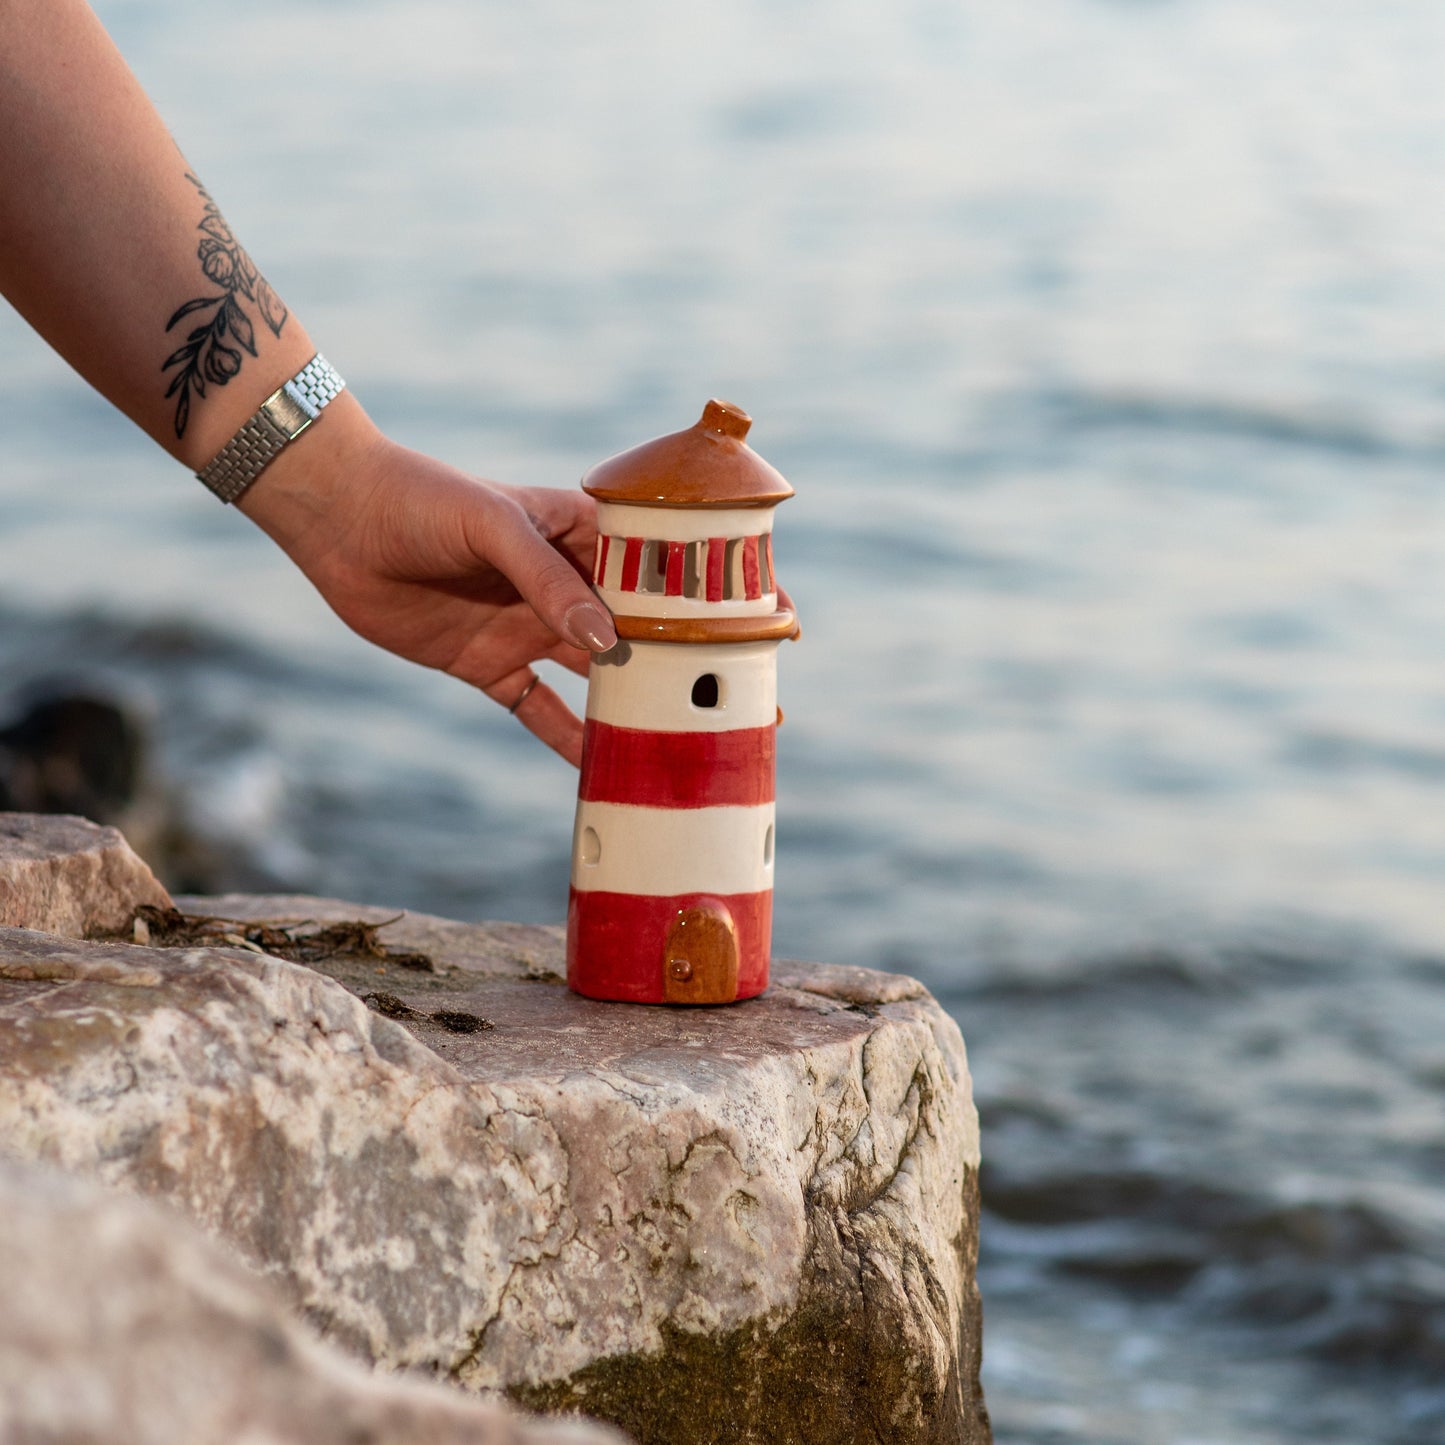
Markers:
{"x": 672, "y": 853}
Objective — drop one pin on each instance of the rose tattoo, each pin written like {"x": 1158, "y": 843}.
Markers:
{"x": 208, "y": 354}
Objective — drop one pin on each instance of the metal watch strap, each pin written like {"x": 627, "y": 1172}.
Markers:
{"x": 279, "y": 420}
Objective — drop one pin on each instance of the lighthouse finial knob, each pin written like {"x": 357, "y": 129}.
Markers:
{"x": 724, "y": 417}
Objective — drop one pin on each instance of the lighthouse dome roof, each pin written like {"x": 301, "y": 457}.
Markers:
{"x": 708, "y": 465}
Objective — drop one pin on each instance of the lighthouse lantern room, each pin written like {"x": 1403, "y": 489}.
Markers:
{"x": 672, "y": 852}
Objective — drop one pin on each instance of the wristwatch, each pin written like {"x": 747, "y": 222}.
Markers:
{"x": 279, "y": 420}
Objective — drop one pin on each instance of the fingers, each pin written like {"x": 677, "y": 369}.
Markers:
{"x": 541, "y": 711}
{"x": 525, "y": 693}
{"x": 547, "y": 580}
{"x": 566, "y": 518}
{"x": 547, "y": 717}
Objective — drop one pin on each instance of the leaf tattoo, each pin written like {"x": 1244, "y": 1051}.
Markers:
{"x": 207, "y": 355}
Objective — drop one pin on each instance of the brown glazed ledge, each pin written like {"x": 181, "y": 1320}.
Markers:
{"x": 772, "y": 627}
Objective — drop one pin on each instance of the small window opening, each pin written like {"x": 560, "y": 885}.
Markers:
{"x": 613, "y": 562}
{"x": 733, "y": 585}
{"x": 691, "y": 571}
{"x": 652, "y": 576}
{"x": 706, "y": 691}
{"x": 768, "y": 847}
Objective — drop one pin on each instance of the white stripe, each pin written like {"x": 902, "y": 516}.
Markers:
{"x": 652, "y": 689}
{"x": 683, "y": 524}
{"x": 657, "y": 852}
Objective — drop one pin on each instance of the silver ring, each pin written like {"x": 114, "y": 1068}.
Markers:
{"x": 525, "y": 693}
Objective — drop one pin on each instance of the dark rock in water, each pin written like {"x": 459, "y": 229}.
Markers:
{"x": 72, "y": 753}
{"x": 69, "y": 750}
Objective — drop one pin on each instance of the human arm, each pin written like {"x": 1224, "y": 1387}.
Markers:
{"x": 111, "y": 249}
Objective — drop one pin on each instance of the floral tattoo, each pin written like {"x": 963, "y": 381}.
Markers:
{"x": 207, "y": 355}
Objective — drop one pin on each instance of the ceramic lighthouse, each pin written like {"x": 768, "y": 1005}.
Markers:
{"x": 672, "y": 853}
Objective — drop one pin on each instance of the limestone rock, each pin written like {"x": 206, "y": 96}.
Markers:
{"x": 124, "y": 1325}
{"x": 68, "y": 876}
{"x": 755, "y": 1223}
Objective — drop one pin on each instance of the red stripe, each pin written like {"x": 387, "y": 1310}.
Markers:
{"x": 736, "y": 768}
{"x": 604, "y": 542}
{"x": 615, "y": 941}
{"x": 631, "y": 563}
{"x": 752, "y": 584}
{"x": 676, "y": 552}
{"x": 716, "y": 554}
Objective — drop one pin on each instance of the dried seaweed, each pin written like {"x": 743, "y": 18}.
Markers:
{"x": 303, "y": 941}
{"x": 460, "y": 1023}
{"x": 300, "y": 941}
{"x": 391, "y": 1006}
{"x": 453, "y": 1020}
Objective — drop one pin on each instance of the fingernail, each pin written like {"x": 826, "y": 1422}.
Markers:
{"x": 589, "y": 626}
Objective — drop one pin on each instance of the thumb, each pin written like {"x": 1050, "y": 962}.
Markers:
{"x": 550, "y": 584}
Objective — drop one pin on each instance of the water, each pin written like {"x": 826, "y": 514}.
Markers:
{"x": 1101, "y": 342}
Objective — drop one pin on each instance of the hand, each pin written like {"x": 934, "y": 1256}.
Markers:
{"x": 473, "y": 578}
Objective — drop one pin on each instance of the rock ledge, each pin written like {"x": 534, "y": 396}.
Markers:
{"x": 755, "y": 1223}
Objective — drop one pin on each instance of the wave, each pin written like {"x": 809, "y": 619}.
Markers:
{"x": 1081, "y": 409}
{"x": 1162, "y": 970}
{"x": 1341, "y": 1280}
